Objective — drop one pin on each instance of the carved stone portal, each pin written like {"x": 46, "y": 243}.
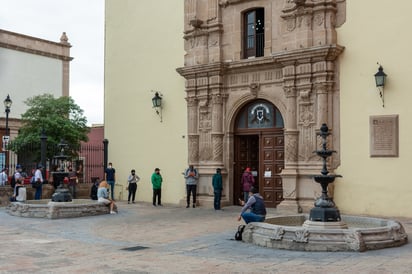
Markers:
{"x": 297, "y": 74}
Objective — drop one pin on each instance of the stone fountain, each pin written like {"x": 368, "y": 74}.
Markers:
{"x": 324, "y": 229}
{"x": 61, "y": 204}
{"x": 61, "y": 194}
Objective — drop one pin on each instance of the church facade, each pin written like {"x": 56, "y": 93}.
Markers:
{"x": 260, "y": 81}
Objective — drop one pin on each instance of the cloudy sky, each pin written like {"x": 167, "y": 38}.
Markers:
{"x": 83, "y": 22}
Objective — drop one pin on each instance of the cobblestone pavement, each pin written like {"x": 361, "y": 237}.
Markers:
{"x": 169, "y": 239}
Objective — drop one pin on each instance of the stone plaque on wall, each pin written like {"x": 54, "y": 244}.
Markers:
{"x": 384, "y": 136}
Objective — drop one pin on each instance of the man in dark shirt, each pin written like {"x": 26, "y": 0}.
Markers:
{"x": 110, "y": 177}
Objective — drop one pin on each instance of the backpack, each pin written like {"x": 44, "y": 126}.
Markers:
{"x": 13, "y": 181}
{"x": 93, "y": 192}
{"x": 238, "y": 235}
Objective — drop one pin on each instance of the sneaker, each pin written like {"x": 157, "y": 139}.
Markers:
{"x": 160, "y": 205}
{"x": 154, "y": 205}
{"x": 187, "y": 206}
{"x": 128, "y": 202}
{"x": 112, "y": 212}
{"x": 194, "y": 205}
{"x": 133, "y": 202}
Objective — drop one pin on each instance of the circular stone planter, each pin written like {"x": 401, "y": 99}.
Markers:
{"x": 57, "y": 210}
{"x": 290, "y": 232}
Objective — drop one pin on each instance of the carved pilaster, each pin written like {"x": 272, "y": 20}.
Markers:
{"x": 217, "y": 142}
{"x": 193, "y": 148}
{"x": 192, "y": 104}
{"x": 291, "y": 147}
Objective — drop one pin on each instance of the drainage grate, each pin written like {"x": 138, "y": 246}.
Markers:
{"x": 134, "y": 248}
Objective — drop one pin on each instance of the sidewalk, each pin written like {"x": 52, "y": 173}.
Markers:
{"x": 169, "y": 239}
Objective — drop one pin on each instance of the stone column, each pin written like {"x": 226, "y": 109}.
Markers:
{"x": 217, "y": 125}
{"x": 289, "y": 173}
{"x": 193, "y": 136}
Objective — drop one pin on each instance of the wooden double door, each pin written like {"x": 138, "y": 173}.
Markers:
{"x": 263, "y": 152}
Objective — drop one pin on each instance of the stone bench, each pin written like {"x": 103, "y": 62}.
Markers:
{"x": 57, "y": 210}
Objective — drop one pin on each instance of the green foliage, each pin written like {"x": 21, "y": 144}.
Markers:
{"x": 60, "y": 118}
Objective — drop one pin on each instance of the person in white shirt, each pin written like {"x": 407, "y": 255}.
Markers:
{"x": 3, "y": 177}
{"x": 38, "y": 177}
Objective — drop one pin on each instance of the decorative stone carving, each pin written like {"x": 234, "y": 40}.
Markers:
{"x": 306, "y": 116}
{"x": 217, "y": 141}
{"x": 301, "y": 236}
{"x": 193, "y": 148}
{"x": 225, "y": 3}
{"x": 205, "y": 122}
{"x": 277, "y": 234}
{"x": 254, "y": 89}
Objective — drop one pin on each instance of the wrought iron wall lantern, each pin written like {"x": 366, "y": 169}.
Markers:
{"x": 157, "y": 104}
{"x": 380, "y": 78}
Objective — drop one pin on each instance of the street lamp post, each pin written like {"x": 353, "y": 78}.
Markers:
{"x": 7, "y": 105}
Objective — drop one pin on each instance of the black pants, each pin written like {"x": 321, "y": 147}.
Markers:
{"x": 132, "y": 191}
{"x": 191, "y": 189}
{"x": 157, "y": 193}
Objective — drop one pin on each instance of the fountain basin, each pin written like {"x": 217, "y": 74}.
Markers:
{"x": 56, "y": 210}
{"x": 362, "y": 234}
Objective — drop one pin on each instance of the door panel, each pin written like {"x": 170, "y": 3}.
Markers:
{"x": 264, "y": 154}
{"x": 272, "y": 151}
{"x": 246, "y": 155}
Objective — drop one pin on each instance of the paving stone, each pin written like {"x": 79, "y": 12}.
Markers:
{"x": 178, "y": 240}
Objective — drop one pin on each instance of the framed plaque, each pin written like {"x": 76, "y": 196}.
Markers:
{"x": 384, "y": 136}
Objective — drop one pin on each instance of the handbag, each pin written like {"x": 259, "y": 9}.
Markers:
{"x": 239, "y": 232}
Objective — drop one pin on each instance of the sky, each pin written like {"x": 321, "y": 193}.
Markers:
{"x": 83, "y": 22}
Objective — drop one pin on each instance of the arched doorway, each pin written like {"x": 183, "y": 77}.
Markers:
{"x": 259, "y": 144}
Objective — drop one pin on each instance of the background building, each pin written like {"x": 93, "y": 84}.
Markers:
{"x": 30, "y": 66}
{"x": 375, "y": 32}
{"x": 143, "y": 48}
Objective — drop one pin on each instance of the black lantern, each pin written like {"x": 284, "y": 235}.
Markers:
{"x": 157, "y": 104}
{"x": 380, "y": 77}
{"x": 157, "y": 101}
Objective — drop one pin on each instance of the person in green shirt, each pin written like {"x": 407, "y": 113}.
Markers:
{"x": 157, "y": 187}
{"x": 217, "y": 188}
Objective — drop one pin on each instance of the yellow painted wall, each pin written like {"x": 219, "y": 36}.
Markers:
{"x": 375, "y": 31}
{"x": 143, "y": 48}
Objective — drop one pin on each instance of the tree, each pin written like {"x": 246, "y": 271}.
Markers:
{"x": 60, "y": 118}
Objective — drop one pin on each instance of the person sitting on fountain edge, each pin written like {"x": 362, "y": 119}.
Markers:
{"x": 256, "y": 205}
{"x": 103, "y": 196}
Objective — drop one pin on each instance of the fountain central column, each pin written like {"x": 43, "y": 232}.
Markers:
{"x": 325, "y": 214}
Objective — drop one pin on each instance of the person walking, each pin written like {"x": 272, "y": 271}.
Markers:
{"x": 256, "y": 205}
{"x": 72, "y": 182}
{"x": 110, "y": 178}
{"x": 132, "y": 185}
{"x": 217, "y": 188}
{"x": 38, "y": 182}
{"x": 191, "y": 175}
{"x": 157, "y": 187}
{"x": 247, "y": 182}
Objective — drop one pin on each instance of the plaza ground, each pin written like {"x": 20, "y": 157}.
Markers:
{"x": 169, "y": 239}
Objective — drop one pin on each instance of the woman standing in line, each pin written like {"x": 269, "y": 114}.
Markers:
{"x": 132, "y": 185}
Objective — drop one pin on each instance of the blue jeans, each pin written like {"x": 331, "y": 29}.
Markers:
{"x": 111, "y": 183}
{"x": 37, "y": 194}
{"x": 245, "y": 196}
{"x": 218, "y": 196}
{"x": 249, "y": 217}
